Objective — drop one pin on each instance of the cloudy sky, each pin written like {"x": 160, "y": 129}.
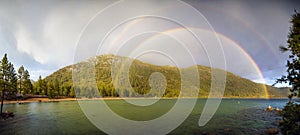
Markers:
{"x": 44, "y": 35}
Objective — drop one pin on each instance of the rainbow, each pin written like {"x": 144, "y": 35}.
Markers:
{"x": 252, "y": 61}
{"x": 232, "y": 42}
{"x": 246, "y": 25}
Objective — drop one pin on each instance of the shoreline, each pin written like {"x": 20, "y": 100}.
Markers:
{"x": 35, "y": 100}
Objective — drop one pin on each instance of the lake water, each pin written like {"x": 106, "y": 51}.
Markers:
{"x": 67, "y": 117}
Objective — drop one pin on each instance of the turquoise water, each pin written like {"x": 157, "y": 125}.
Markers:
{"x": 67, "y": 117}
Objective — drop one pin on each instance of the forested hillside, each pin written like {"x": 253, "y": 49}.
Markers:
{"x": 139, "y": 74}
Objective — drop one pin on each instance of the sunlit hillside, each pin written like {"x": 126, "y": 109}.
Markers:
{"x": 139, "y": 74}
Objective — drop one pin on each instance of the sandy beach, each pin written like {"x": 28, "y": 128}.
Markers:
{"x": 44, "y": 99}
{"x": 31, "y": 100}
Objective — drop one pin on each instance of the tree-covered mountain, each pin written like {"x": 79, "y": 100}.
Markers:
{"x": 139, "y": 73}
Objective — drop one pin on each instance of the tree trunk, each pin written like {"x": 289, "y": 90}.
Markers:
{"x": 2, "y": 99}
{"x": 20, "y": 86}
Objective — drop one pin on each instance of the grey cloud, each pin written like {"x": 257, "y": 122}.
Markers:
{"x": 42, "y": 35}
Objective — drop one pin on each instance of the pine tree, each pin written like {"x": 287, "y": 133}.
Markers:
{"x": 291, "y": 118}
{"x": 12, "y": 82}
{"x": 44, "y": 90}
{"x": 50, "y": 90}
{"x": 8, "y": 80}
{"x": 72, "y": 92}
{"x": 27, "y": 85}
{"x": 1, "y": 79}
{"x": 38, "y": 86}
{"x": 56, "y": 88}
{"x": 4, "y": 73}
{"x": 20, "y": 79}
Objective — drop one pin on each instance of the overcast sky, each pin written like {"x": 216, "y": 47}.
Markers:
{"x": 43, "y": 35}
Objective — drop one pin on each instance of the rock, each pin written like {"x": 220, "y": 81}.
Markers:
{"x": 275, "y": 123}
{"x": 271, "y": 131}
{"x": 7, "y": 115}
{"x": 270, "y": 108}
{"x": 227, "y": 129}
{"x": 277, "y": 118}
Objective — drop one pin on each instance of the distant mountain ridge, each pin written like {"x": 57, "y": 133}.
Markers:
{"x": 140, "y": 72}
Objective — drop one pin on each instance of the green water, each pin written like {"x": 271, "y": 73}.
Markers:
{"x": 67, "y": 117}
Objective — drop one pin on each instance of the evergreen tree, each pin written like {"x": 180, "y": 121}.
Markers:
{"x": 291, "y": 118}
{"x": 27, "y": 85}
{"x": 4, "y": 78}
{"x": 20, "y": 78}
{"x": 56, "y": 88}
{"x": 38, "y": 86}
{"x": 44, "y": 90}
{"x": 8, "y": 80}
{"x": 12, "y": 82}
{"x": 1, "y": 80}
{"x": 72, "y": 92}
{"x": 50, "y": 90}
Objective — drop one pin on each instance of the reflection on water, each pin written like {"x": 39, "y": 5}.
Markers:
{"x": 47, "y": 118}
{"x": 67, "y": 117}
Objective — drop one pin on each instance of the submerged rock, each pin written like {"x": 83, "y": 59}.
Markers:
{"x": 7, "y": 115}
{"x": 271, "y": 131}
